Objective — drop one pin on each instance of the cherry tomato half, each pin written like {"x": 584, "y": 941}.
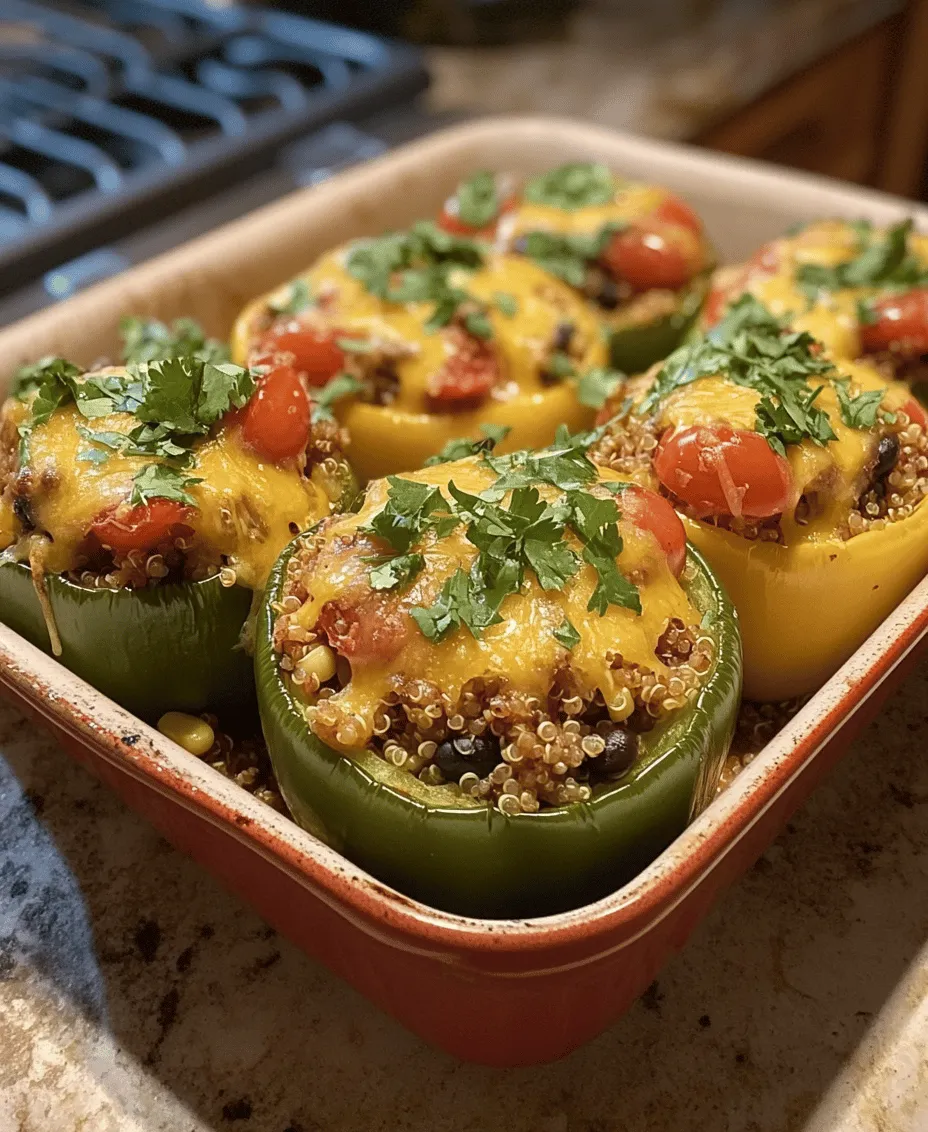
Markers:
{"x": 675, "y": 210}
{"x": 467, "y": 377}
{"x": 659, "y": 255}
{"x": 915, "y": 411}
{"x": 651, "y": 512}
{"x": 276, "y": 421}
{"x": 365, "y": 633}
{"x": 449, "y": 218}
{"x": 716, "y": 302}
{"x": 143, "y": 527}
{"x": 901, "y": 324}
{"x": 316, "y": 353}
{"x": 718, "y": 470}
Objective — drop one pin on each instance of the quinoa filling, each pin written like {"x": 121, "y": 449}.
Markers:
{"x": 498, "y": 745}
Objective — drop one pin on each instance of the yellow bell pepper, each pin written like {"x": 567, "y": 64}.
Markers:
{"x": 384, "y": 439}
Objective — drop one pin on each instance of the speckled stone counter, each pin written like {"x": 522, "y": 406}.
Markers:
{"x": 668, "y": 68}
{"x": 136, "y": 995}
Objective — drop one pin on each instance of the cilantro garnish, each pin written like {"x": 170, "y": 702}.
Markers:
{"x": 161, "y": 481}
{"x": 478, "y": 202}
{"x": 566, "y": 635}
{"x": 462, "y": 446}
{"x": 860, "y": 411}
{"x": 505, "y": 303}
{"x": 514, "y": 536}
{"x": 48, "y": 369}
{"x": 148, "y": 340}
{"x": 752, "y": 348}
{"x": 559, "y": 365}
{"x": 342, "y": 385}
{"x": 392, "y": 572}
{"x": 299, "y": 298}
{"x": 572, "y": 186}
{"x": 881, "y": 261}
{"x": 564, "y": 255}
{"x": 596, "y": 386}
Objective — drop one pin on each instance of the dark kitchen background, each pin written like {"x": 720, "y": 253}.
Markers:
{"x": 127, "y": 126}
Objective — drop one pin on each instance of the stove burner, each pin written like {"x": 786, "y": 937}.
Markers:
{"x": 114, "y": 113}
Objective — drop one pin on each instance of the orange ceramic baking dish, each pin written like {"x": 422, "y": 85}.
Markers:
{"x": 498, "y": 992}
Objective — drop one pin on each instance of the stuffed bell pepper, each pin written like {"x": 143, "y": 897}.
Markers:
{"x": 503, "y": 686}
{"x": 638, "y": 253}
{"x": 418, "y": 337}
{"x": 861, "y": 291}
{"x": 143, "y": 506}
{"x": 802, "y": 481}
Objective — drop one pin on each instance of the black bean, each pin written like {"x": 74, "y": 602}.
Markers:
{"x": 618, "y": 756}
{"x": 563, "y": 333}
{"x": 887, "y": 454}
{"x": 22, "y": 509}
{"x": 464, "y": 754}
{"x": 608, "y": 294}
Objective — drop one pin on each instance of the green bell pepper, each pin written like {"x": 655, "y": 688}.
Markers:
{"x": 438, "y": 846}
{"x": 634, "y": 346}
{"x": 172, "y": 647}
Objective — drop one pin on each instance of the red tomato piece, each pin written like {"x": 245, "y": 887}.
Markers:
{"x": 276, "y": 421}
{"x": 652, "y": 512}
{"x": 716, "y": 302}
{"x": 675, "y": 210}
{"x": 901, "y": 324}
{"x": 450, "y": 220}
{"x": 659, "y": 255}
{"x": 316, "y": 353}
{"x": 143, "y": 527}
{"x": 916, "y": 412}
{"x": 368, "y": 633}
{"x": 766, "y": 258}
{"x": 718, "y": 470}
{"x": 467, "y": 377}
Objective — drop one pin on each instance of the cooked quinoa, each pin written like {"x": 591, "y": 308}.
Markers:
{"x": 501, "y": 746}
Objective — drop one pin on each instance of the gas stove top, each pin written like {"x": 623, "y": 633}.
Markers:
{"x": 129, "y": 125}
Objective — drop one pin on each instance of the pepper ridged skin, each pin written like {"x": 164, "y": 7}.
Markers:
{"x": 633, "y": 348}
{"x": 473, "y": 860}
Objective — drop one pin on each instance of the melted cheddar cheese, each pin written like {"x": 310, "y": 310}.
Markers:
{"x": 837, "y": 471}
{"x": 832, "y": 317}
{"x": 632, "y": 202}
{"x": 246, "y": 508}
{"x": 522, "y": 341}
{"x": 522, "y": 647}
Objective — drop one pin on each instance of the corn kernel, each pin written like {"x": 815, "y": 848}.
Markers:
{"x": 318, "y": 662}
{"x": 193, "y": 734}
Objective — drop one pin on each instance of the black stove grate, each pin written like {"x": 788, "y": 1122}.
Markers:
{"x": 114, "y": 113}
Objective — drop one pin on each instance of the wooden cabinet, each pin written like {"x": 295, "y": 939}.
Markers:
{"x": 860, "y": 114}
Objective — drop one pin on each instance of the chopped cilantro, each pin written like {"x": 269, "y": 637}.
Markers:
{"x": 566, "y": 634}
{"x": 573, "y": 186}
{"x": 342, "y": 385}
{"x": 567, "y": 256}
{"x": 31, "y": 377}
{"x": 148, "y": 340}
{"x": 463, "y": 446}
{"x": 355, "y": 345}
{"x": 860, "y": 411}
{"x": 505, "y": 303}
{"x": 753, "y": 348}
{"x": 596, "y": 386}
{"x": 299, "y": 298}
{"x": 559, "y": 366}
{"x": 188, "y": 395}
{"x": 92, "y": 456}
{"x": 478, "y": 202}
{"x": 411, "y": 509}
{"x": 478, "y": 324}
{"x": 161, "y": 481}
{"x": 397, "y": 571}
{"x": 881, "y": 261}
{"x": 866, "y": 315}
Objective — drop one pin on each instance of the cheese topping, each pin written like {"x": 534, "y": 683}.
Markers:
{"x": 246, "y": 509}
{"x": 832, "y": 318}
{"x": 522, "y": 647}
{"x": 631, "y": 202}
{"x": 522, "y": 341}
{"x": 837, "y": 471}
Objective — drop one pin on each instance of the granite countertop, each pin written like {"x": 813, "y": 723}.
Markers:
{"x": 668, "y": 68}
{"x": 137, "y": 996}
